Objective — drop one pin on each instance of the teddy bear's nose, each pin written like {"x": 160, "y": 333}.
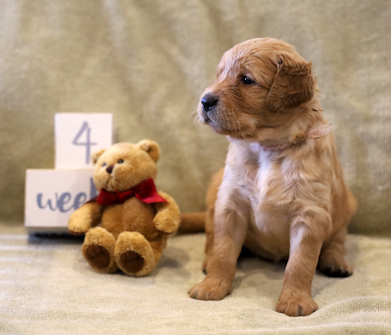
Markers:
{"x": 109, "y": 169}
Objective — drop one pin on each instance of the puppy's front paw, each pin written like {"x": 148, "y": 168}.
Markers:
{"x": 296, "y": 304}
{"x": 210, "y": 289}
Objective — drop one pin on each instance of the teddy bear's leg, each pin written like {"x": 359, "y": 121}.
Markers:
{"x": 98, "y": 250}
{"x": 135, "y": 255}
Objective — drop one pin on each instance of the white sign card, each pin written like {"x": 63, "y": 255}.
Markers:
{"x": 78, "y": 135}
{"x": 53, "y": 195}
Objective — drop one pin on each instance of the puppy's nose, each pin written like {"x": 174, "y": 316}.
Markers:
{"x": 109, "y": 169}
{"x": 208, "y": 101}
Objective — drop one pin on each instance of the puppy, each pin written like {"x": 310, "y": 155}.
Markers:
{"x": 281, "y": 193}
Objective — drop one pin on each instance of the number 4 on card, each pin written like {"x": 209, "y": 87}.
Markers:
{"x": 87, "y": 130}
{"x": 77, "y": 135}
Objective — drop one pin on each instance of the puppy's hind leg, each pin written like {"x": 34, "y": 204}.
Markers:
{"x": 331, "y": 260}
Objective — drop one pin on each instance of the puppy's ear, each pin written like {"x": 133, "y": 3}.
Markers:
{"x": 151, "y": 147}
{"x": 95, "y": 156}
{"x": 293, "y": 84}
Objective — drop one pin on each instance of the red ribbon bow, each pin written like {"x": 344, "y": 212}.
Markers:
{"x": 145, "y": 192}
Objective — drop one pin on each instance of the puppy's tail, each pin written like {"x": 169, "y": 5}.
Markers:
{"x": 192, "y": 223}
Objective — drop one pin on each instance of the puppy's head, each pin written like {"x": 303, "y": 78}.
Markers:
{"x": 259, "y": 86}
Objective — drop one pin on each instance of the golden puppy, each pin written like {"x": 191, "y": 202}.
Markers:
{"x": 282, "y": 192}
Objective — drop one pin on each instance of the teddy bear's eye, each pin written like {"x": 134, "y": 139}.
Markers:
{"x": 104, "y": 164}
{"x": 120, "y": 161}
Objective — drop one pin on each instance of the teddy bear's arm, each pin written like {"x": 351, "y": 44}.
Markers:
{"x": 167, "y": 218}
{"x": 84, "y": 218}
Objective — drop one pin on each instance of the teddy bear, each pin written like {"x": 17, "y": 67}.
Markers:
{"x": 135, "y": 219}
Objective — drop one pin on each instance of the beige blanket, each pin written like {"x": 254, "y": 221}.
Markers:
{"x": 147, "y": 62}
{"x": 47, "y": 287}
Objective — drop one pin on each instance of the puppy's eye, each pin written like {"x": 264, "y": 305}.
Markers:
{"x": 247, "y": 81}
{"x": 120, "y": 161}
{"x": 104, "y": 164}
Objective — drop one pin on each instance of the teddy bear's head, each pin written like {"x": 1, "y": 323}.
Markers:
{"x": 125, "y": 165}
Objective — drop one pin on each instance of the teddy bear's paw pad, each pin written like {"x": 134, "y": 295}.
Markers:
{"x": 97, "y": 256}
{"x": 134, "y": 254}
{"x": 131, "y": 261}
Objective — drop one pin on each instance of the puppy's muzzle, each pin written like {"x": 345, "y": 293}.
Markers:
{"x": 209, "y": 102}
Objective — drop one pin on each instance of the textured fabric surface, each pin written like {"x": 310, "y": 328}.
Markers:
{"x": 47, "y": 286}
{"x": 147, "y": 62}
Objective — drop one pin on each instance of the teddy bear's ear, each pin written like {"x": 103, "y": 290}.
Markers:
{"x": 95, "y": 156}
{"x": 151, "y": 147}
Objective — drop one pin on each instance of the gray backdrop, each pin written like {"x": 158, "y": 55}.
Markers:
{"x": 147, "y": 62}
